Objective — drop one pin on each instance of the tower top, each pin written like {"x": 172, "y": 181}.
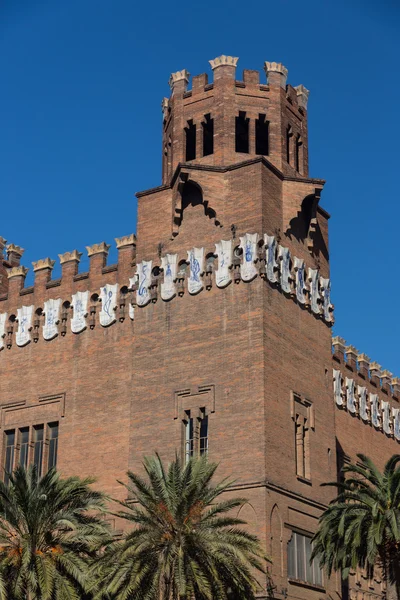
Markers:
{"x": 218, "y": 123}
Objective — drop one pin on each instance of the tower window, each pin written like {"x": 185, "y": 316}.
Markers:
{"x": 189, "y": 436}
{"x": 299, "y": 565}
{"x": 208, "y": 135}
{"x": 53, "y": 445}
{"x": 9, "y": 454}
{"x": 289, "y": 135}
{"x": 195, "y": 434}
{"x": 262, "y": 135}
{"x": 242, "y": 133}
{"x": 190, "y": 131}
{"x": 24, "y": 446}
{"x": 203, "y": 433}
{"x": 38, "y": 448}
{"x": 299, "y": 154}
{"x": 302, "y": 447}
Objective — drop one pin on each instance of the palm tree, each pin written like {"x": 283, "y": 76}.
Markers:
{"x": 361, "y": 526}
{"x": 50, "y": 531}
{"x": 183, "y": 545}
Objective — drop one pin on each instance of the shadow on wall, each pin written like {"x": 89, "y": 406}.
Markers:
{"x": 192, "y": 196}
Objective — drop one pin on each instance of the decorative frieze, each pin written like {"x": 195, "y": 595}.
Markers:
{"x": 51, "y": 311}
{"x": 3, "y": 320}
{"x": 196, "y": 269}
{"x": 80, "y": 312}
{"x": 24, "y": 320}
{"x": 108, "y": 298}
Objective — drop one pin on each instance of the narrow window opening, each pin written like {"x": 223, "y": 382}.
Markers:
{"x": 53, "y": 445}
{"x": 262, "y": 135}
{"x": 189, "y": 436}
{"x": 289, "y": 135}
{"x": 38, "y": 448}
{"x": 24, "y": 447}
{"x": 208, "y": 135}
{"x": 302, "y": 447}
{"x": 9, "y": 455}
{"x": 203, "y": 433}
{"x": 299, "y": 154}
{"x": 242, "y": 133}
{"x": 190, "y": 131}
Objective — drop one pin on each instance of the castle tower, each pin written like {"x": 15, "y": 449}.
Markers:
{"x": 254, "y": 359}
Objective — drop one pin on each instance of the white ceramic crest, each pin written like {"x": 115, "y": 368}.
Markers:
{"x": 300, "y": 283}
{"x": 396, "y": 423}
{"x": 223, "y": 250}
{"x": 196, "y": 268}
{"x": 24, "y": 318}
{"x": 337, "y": 387}
{"x": 375, "y": 413}
{"x": 132, "y": 282}
{"x": 326, "y": 298}
{"x": 351, "y": 401}
{"x": 248, "y": 244}
{"x": 3, "y": 319}
{"x": 51, "y": 310}
{"x": 272, "y": 265}
{"x": 313, "y": 277}
{"x": 79, "y": 307}
{"x": 362, "y": 401}
{"x": 169, "y": 264}
{"x": 284, "y": 259}
{"x": 108, "y": 297}
{"x": 143, "y": 272}
{"x": 386, "y": 422}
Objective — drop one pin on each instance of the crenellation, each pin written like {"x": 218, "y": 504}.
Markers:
{"x": 14, "y": 254}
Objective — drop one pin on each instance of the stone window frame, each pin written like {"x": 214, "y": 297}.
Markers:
{"x": 302, "y": 413}
{"x": 200, "y": 401}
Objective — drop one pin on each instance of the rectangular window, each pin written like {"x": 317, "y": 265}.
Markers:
{"x": 299, "y": 566}
{"x": 203, "y": 434}
{"x": 9, "y": 454}
{"x": 38, "y": 448}
{"x": 189, "y": 436}
{"x": 208, "y": 135}
{"x": 190, "y": 132}
{"x": 23, "y": 446}
{"x": 262, "y": 135}
{"x": 242, "y": 133}
{"x": 53, "y": 445}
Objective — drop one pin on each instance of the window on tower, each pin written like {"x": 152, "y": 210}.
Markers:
{"x": 190, "y": 132}
{"x": 242, "y": 133}
{"x": 262, "y": 135}
{"x": 299, "y": 154}
{"x": 300, "y": 567}
{"x": 208, "y": 135}
{"x": 195, "y": 434}
{"x": 289, "y": 137}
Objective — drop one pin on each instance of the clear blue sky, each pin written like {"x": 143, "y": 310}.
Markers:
{"x": 81, "y": 86}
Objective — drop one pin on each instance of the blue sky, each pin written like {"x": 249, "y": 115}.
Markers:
{"x": 81, "y": 86}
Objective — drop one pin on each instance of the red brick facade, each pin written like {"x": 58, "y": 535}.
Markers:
{"x": 252, "y": 357}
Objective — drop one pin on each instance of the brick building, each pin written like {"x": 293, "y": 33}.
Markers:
{"x": 212, "y": 333}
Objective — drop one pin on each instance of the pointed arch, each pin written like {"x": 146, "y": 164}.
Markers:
{"x": 276, "y": 540}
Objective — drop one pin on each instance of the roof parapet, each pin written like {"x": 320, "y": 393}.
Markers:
{"x": 302, "y": 95}
{"x": 179, "y": 80}
{"x": 43, "y": 263}
{"x": 14, "y": 254}
{"x": 276, "y": 73}
{"x": 223, "y": 61}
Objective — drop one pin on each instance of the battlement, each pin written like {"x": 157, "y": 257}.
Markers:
{"x": 364, "y": 390}
{"x": 216, "y": 123}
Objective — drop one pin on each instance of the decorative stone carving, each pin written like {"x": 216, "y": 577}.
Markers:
{"x": 362, "y": 402}
{"x": 19, "y": 271}
{"x": 169, "y": 264}
{"x": 101, "y": 248}
{"x": 3, "y": 319}
{"x": 284, "y": 258}
{"x": 143, "y": 272}
{"x": 43, "y": 263}
{"x": 74, "y": 255}
{"x": 248, "y": 244}
{"x": 299, "y": 279}
{"x": 79, "y": 306}
{"x": 313, "y": 276}
{"x": 126, "y": 240}
{"x": 108, "y": 297}
{"x": 272, "y": 265}
{"x": 179, "y": 76}
{"x": 196, "y": 268}
{"x": 302, "y": 95}
{"x": 223, "y": 60}
{"x": 274, "y": 67}
{"x": 386, "y": 422}
{"x": 375, "y": 412}
{"x": 326, "y": 298}
{"x": 396, "y": 423}
{"x": 350, "y": 396}
{"x": 223, "y": 250}
{"x": 24, "y": 318}
{"x": 51, "y": 311}
{"x": 337, "y": 387}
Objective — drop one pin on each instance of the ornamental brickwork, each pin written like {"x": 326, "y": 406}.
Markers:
{"x": 212, "y": 333}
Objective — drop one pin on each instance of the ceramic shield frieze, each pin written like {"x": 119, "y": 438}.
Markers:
{"x": 313, "y": 278}
{"x": 248, "y": 244}
{"x": 270, "y": 251}
{"x": 223, "y": 250}
{"x": 350, "y": 395}
{"x": 326, "y": 298}
{"x": 337, "y": 387}
{"x": 386, "y": 420}
{"x": 396, "y": 423}
{"x": 284, "y": 261}
{"x": 79, "y": 307}
{"x": 196, "y": 268}
{"x": 362, "y": 402}
{"x": 24, "y": 318}
{"x": 108, "y": 297}
{"x": 299, "y": 279}
{"x": 132, "y": 282}
{"x": 51, "y": 311}
{"x": 3, "y": 319}
{"x": 375, "y": 412}
{"x": 169, "y": 264}
{"x": 143, "y": 273}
